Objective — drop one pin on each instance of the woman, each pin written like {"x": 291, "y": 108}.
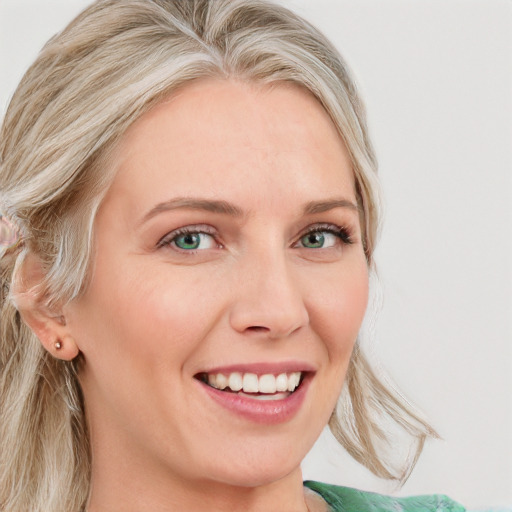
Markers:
{"x": 189, "y": 213}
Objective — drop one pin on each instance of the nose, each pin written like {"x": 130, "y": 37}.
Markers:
{"x": 268, "y": 299}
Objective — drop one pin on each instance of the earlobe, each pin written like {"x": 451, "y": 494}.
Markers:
{"x": 65, "y": 349}
{"x": 49, "y": 326}
{"x": 51, "y": 330}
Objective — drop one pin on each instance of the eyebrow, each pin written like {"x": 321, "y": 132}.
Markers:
{"x": 324, "y": 206}
{"x": 209, "y": 205}
{"x": 226, "y": 208}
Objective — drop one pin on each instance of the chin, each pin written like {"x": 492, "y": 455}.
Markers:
{"x": 254, "y": 466}
{"x": 260, "y": 476}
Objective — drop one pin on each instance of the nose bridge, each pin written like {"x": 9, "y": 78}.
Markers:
{"x": 269, "y": 298}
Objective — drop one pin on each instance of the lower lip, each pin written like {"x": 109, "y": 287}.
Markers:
{"x": 267, "y": 412}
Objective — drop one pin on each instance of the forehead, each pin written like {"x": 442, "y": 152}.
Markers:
{"x": 220, "y": 137}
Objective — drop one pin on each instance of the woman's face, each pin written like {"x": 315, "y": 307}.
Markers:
{"x": 228, "y": 249}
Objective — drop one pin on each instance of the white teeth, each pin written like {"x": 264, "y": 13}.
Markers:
{"x": 222, "y": 381}
{"x": 251, "y": 383}
{"x": 235, "y": 381}
{"x": 293, "y": 381}
{"x": 267, "y": 384}
{"x": 282, "y": 382}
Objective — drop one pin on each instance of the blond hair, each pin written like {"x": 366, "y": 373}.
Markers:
{"x": 90, "y": 82}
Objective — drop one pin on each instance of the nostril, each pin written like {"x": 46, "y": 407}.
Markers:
{"x": 257, "y": 328}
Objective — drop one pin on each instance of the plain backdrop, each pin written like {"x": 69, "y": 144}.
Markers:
{"x": 437, "y": 79}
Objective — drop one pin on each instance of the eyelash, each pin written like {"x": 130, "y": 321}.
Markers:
{"x": 188, "y": 230}
{"x": 343, "y": 233}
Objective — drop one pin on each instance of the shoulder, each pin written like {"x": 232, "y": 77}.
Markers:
{"x": 345, "y": 499}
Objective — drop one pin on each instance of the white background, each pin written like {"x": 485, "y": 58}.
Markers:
{"x": 437, "y": 79}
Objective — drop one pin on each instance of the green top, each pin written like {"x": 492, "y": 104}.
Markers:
{"x": 344, "y": 499}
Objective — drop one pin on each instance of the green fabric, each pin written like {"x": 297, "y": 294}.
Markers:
{"x": 344, "y": 499}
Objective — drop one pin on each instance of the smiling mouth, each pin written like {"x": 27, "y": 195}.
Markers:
{"x": 260, "y": 387}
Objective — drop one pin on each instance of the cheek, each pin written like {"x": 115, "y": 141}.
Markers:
{"x": 163, "y": 315}
{"x": 137, "y": 333}
{"x": 181, "y": 303}
{"x": 336, "y": 314}
{"x": 337, "y": 309}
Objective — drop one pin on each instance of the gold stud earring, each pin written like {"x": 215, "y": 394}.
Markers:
{"x": 58, "y": 345}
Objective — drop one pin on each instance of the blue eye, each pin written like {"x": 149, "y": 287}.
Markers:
{"x": 318, "y": 240}
{"x": 193, "y": 241}
{"x": 190, "y": 239}
{"x": 325, "y": 237}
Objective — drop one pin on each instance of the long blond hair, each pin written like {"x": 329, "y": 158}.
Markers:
{"x": 90, "y": 82}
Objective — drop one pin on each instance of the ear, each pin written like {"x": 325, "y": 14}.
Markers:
{"x": 48, "y": 325}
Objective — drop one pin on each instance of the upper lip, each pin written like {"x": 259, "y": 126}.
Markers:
{"x": 263, "y": 368}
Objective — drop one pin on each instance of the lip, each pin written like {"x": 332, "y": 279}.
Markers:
{"x": 266, "y": 412}
{"x": 263, "y": 368}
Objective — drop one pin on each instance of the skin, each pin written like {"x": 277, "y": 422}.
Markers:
{"x": 155, "y": 315}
